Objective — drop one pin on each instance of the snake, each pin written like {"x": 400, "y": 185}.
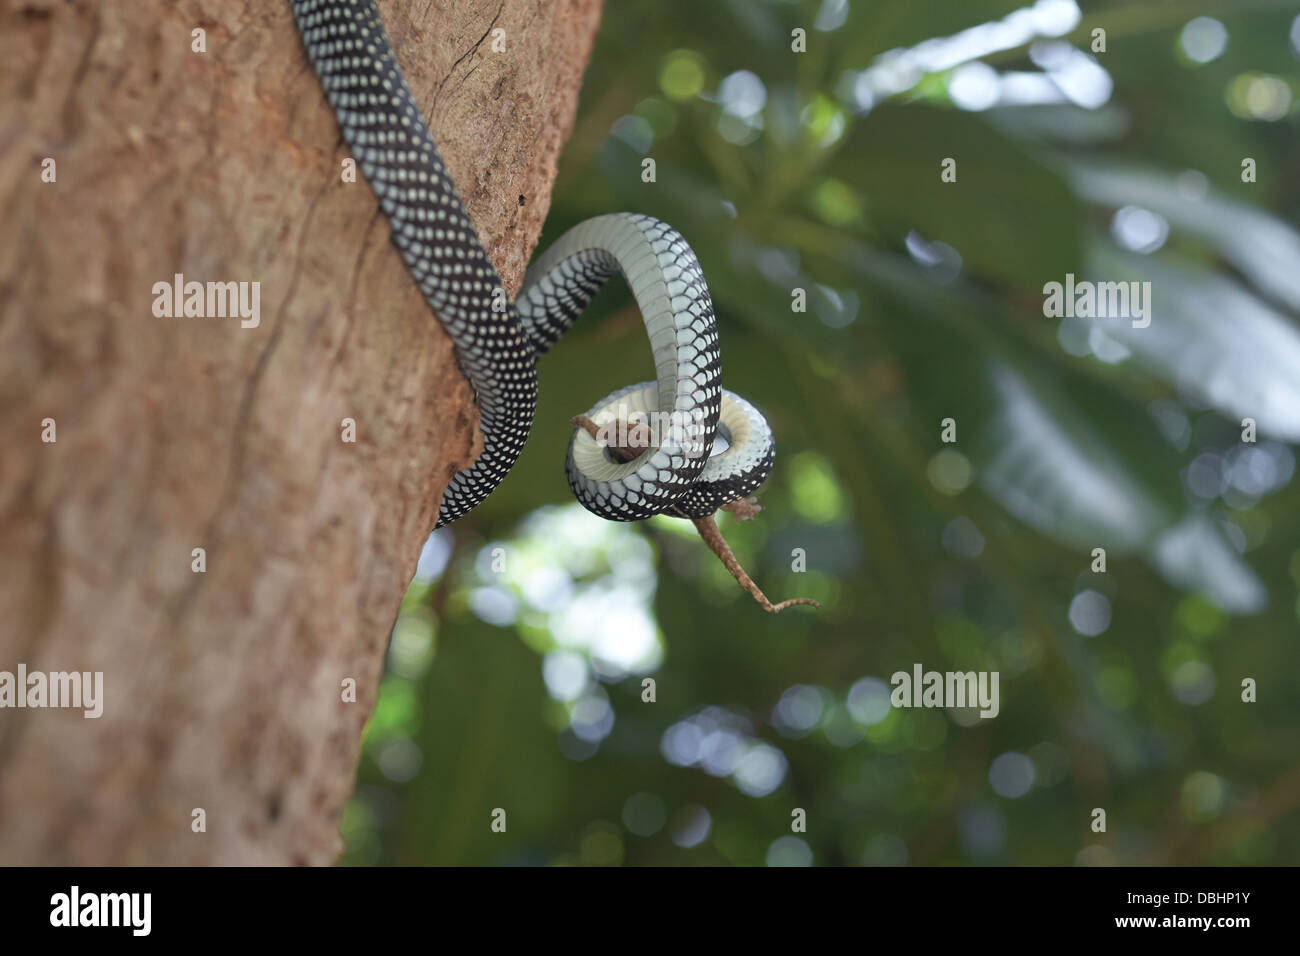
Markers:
{"x": 683, "y": 470}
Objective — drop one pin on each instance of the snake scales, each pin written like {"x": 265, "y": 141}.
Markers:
{"x": 682, "y": 472}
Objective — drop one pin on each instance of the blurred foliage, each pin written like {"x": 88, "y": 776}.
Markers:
{"x": 517, "y": 663}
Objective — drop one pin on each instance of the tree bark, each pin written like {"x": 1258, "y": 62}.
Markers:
{"x": 222, "y": 688}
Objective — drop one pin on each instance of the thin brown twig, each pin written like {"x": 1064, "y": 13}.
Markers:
{"x": 743, "y": 508}
{"x": 708, "y": 530}
{"x": 637, "y": 440}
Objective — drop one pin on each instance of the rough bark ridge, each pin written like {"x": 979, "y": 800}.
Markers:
{"x": 222, "y": 688}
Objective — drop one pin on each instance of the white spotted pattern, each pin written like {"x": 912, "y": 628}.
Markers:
{"x": 497, "y": 350}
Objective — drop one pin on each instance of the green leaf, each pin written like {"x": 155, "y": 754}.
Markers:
{"x": 1055, "y": 448}
{"x": 874, "y": 28}
{"x": 485, "y": 746}
{"x": 1061, "y": 468}
{"x": 1011, "y": 218}
{"x": 1211, "y": 337}
{"x": 1196, "y": 556}
{"x": 1264, "y": 248}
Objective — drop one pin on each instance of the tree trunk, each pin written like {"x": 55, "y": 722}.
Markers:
{"x": 223, "y": 687}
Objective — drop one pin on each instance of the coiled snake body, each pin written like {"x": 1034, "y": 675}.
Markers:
{"x": 497, "y": 344}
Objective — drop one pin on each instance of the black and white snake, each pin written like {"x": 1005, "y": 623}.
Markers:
{"x": 497, "y": 344}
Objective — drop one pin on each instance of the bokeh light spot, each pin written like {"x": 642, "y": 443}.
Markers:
{"x": 789, "y": 851}
{"x": 682, "y": 75}
{"x": 1011, "y": 774}
{"x": 1090, "y": 613}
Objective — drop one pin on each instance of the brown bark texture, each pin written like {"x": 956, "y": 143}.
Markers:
{"x": 223, "y": 689}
